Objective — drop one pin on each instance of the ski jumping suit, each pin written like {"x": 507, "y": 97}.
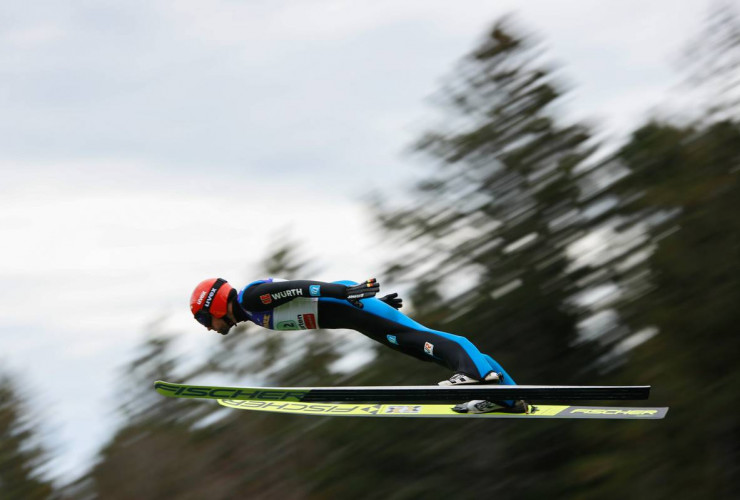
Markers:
{"x": 304, "y": 305}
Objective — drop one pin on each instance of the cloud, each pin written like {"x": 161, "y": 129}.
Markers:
{"x": 107, "y": 256}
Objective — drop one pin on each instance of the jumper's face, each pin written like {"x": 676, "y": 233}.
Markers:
{"x": 220, "y": 325}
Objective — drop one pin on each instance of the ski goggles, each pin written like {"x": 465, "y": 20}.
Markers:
{"x": 204, "y": 318}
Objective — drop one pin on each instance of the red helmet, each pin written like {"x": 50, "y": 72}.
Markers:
{"x": 210, "y": 299}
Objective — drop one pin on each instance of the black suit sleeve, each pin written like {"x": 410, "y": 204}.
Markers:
{"x": 266, "y": 296}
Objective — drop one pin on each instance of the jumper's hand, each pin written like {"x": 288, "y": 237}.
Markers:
{"x": 364, "y": 290}
{"x": 393, "y": 300}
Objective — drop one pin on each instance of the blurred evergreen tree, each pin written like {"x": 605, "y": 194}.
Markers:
{"x": 21, "y": 457}
{"x": 487, "y": 234}
{"x": 489, "y": 226}
{"x": 680, "y": 284}
{"x": 684, "y": 190}
{"x": 712, "y": 65}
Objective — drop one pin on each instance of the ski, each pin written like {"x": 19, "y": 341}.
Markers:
{"x": 403, "y": 394}
{"x": 443, "y": 411}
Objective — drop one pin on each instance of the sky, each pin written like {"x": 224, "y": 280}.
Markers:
{"x": 147, "y": 145}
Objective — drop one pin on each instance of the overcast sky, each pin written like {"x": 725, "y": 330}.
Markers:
{"x": 146, "y": 145}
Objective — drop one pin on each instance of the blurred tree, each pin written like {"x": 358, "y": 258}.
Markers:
{"x": 153, "y": 361}
{"x": 683, "y": 188}
{"x": 487, "y": 236}
{"x": 21, "y": 457}
{"x": 491, "y": 223}
{"x": 680, "y": 282}
{"x": 712, "y": 64}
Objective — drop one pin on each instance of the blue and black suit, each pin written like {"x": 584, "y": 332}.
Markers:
{"x": 304, "y": 304}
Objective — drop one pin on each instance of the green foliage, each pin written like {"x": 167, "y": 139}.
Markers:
{"x": 712, "y": 64}
{"x": 495, "y": 217}
{"x": 21, "y": 457}
{"x": 499, "y": 210}
{"x": 691, "y": 174}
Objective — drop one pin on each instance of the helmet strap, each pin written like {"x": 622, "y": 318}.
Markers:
{"x": 236, "y": 308}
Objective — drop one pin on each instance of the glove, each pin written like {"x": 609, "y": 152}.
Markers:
{"x": 364, "y": 290}
{"x": 393, "y": 300}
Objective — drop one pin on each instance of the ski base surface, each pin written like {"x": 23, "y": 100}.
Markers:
{"x": 442, "y": 411}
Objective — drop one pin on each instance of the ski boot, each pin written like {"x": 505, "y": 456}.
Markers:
{"x": 461, "y": 378}
{"x": 483, "y": 406}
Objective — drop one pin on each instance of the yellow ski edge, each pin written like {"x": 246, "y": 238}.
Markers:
{"x": 441, "y": 410}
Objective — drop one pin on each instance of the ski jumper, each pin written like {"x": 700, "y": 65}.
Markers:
{"x": 305, "y": 305}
